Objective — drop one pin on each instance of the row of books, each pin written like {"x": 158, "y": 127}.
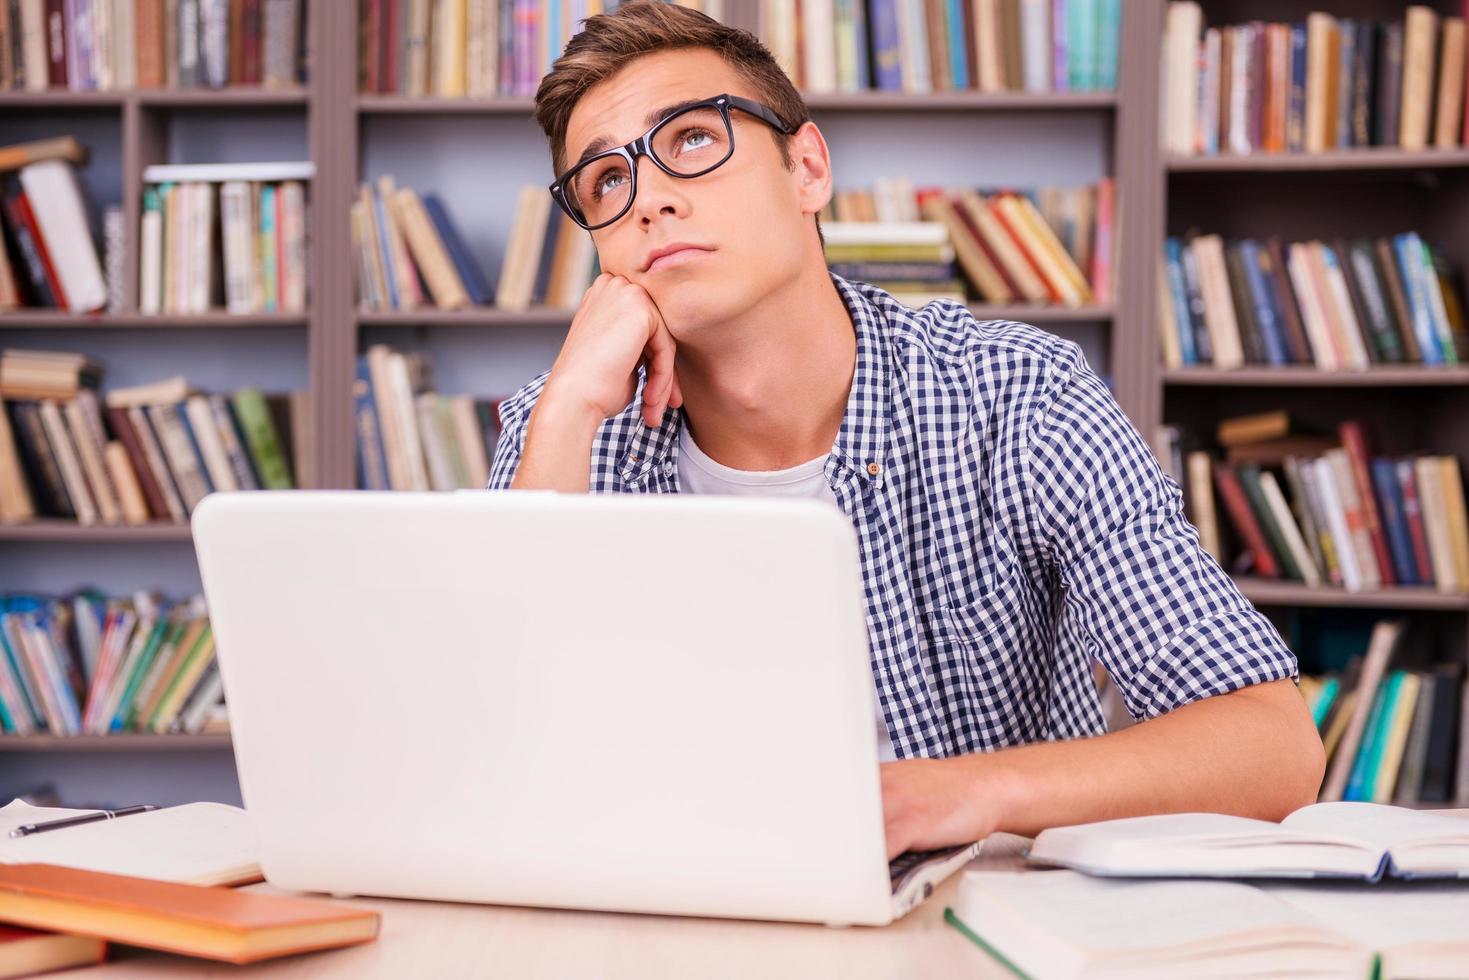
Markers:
{"x": 90, "y": 665}
{"x": 49, "y": 257}
{"x": 410, "y": 437}
{"x": 103, "y": 45}
{"x": 1392, "y": 733}
{"x": 1041, "y": 246}
{"x": 1338, "y": 305}
{"x": 228, "y": 234}
{"x": 504, "y": 47}
{"x": 409, "y": 253}
{"x": 138, "y": 454}
{"x": 912, "y": 260}
{"x": 1322, "y": 84}
{"x": 1353, "y": 518}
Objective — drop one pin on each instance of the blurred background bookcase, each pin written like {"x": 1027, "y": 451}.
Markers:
{"x": 475, "y": 153}
{"x": 1345, "y": 193}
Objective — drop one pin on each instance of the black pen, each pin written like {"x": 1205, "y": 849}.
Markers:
{"x": 26, "y": 830}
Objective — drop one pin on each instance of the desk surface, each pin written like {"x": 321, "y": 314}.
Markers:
{"x": 434, "y": 939}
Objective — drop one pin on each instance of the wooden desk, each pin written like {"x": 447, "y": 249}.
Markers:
{"x": 444, "y": 940}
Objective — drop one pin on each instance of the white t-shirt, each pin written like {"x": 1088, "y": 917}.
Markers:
{"x": 697, "y": 473}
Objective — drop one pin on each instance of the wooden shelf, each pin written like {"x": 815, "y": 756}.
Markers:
{"x": 243, "y": 96}
{"x": 965, "y": 101}
{"x": 120, "y": 742}
{"x": 479, "y": 316}
{"x": 59, "y": 320}
{"x": 1042, "y": 314}
{"x": 58, "y": 531}
{"x": 1388, "y": 375}
{"x": 1272, "y": 592}
{"x": 178, "y": 98}
{"x": 542, "y": 316}
{"x": 1368, "y": 158}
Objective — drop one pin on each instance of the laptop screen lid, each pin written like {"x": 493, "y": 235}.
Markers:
{"x": 592, "y": 701}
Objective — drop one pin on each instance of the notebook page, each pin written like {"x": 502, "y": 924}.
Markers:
{"x": 198, "y": 843}
{"x": 1382, "y": 825}
{"x": 1096, "y": 914}
{"x": 1387, "y": 914}
{"x": 18, "y": 812}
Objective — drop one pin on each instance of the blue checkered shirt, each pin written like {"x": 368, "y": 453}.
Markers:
{"x": 1013, "y": 528}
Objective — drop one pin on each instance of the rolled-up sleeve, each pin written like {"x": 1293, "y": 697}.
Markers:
{"x": 514, "y": 420}
{"x": 1139, "y": 593}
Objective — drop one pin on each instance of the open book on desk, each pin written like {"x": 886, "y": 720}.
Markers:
{"x": 1061, "y": 924}
{"x": 196, "y": 844}
{"x": 1326, "y": 840}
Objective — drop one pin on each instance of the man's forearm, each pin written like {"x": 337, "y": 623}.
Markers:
{"x": 1249, "y": 753}
{"x": 1253, "y": 752}
{"x": 558, "y": 447}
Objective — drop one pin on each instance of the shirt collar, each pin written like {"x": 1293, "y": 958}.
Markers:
{"x": 861, "y": 442}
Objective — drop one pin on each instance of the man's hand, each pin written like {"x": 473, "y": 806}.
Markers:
{"x": 616, "y": 328}
{"x": 930, "y": 803}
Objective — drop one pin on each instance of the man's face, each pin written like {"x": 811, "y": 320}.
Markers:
{"x": 749, "y": 216}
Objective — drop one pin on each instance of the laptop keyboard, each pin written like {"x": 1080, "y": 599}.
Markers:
{"x": 903, "y": 867}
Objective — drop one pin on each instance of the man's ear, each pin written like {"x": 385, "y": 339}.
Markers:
{"x": 811, "y": 164}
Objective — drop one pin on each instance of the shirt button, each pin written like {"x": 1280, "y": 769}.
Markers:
{"x": 873, "y": 469}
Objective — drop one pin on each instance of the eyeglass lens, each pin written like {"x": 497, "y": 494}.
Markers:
{"x": 693, "y": 142}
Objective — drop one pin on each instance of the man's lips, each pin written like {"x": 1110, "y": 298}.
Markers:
{"x": 675, "y": 258}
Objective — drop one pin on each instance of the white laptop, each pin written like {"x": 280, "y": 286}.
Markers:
{"x": 645, "y": 704}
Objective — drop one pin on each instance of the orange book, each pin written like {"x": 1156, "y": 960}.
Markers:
{"x": 211, "y": 923}
{"x": 1024, "y": 247}
{"x": 24, "y": 952}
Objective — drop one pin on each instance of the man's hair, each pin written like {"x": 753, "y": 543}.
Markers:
{"x": 607, "y": 42}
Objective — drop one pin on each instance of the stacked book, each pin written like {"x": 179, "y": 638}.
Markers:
{"x": 104, "y": 45}
{"x": 911, "y": 259}
{"x": 231, "y": 234}
{"x": 138, "y": 454}
{"x": 90, "y": 665}
{"x": 1398, "y": 735}
{"x": 1338, "y": 305}
{"x": 412, "y": 438}
{"x": 1325, "y": 83}
{"x": 1352, "y": 518}
{"x": 549, "y": 261}
{"x": 409, "y": 253}
{"x": 484, "y": 48}
{"x": 1011, "y": 246}
{"x": 48, "y": 257}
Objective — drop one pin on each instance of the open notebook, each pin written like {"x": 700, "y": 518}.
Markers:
{"x": 1061, "y": 924}
{"x": 1325, "y": 840}
{"x": 197, "y": 843}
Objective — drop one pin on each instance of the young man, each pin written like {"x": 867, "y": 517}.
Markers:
{"x": 1013, "y": 526}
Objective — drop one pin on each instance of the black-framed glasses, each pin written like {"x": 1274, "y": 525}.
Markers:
{"x": 688, "y": 143}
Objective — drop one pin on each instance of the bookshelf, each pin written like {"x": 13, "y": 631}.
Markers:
{"x": 1015, "y": 138}
{"x": 1405, "y": 409}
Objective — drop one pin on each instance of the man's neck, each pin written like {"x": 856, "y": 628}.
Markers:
{"x": 772, "y": 394}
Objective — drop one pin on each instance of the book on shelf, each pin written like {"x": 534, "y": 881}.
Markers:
{"x": 1339, "y": 305}
{"x": 410, "y": 437}
{"x": 1064, "y": 924}
{"x": 1048, "y": 245}
{"x": 1324, "y": 509}
{"x": 48, "y": 256}
{"x": 206, "y": 844}
{"x": 484, "y": 48}
{"x": 137, "y": 454}
{"x": 1393, "y": 725}
{"x": 112, "y": 45}
{"x": 92, "y": 665}
{"x": 231, "y": 235}
{"x": 1313, "y": 85}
